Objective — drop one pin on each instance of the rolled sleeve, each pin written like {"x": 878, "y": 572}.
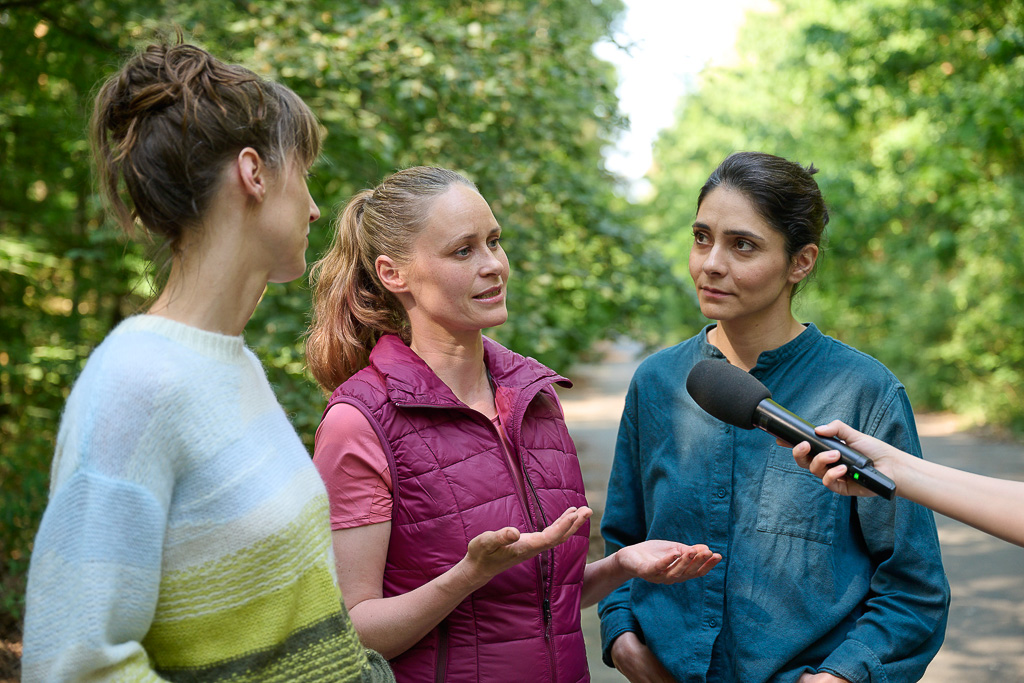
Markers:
{"x": 622, "y": 524}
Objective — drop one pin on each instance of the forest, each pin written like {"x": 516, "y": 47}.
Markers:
{"x": 912, "y": 110}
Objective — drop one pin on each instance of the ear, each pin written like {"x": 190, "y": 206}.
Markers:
{"x": 390, "y": 275}
{"x": 252, "y": 174}
{"x": 803, "y": 262}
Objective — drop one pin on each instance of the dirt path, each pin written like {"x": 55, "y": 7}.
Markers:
{"x": 985, "y": 634}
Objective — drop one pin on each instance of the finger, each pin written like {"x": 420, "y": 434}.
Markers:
{"x": 685, "y": 568}
{"x": 835, "y": 428}
{"x": 801, "y": 453}
{"x": 555, "y": 534}
{"x": 582, "y": 515}
{"x": 699, "y": 566}
{"x": 567, "y": 525}
{"x": 835, "y": 479}
{"x": 669, "y": 560}
{"x": 502, "y": 537}
{"x": 709, "y": 565}
{"x": 822, "y": 462}
{"x": 562, "y": 524}
{"x": 687, "y": 565}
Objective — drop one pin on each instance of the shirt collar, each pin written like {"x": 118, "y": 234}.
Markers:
{"x": 767, "y": 359}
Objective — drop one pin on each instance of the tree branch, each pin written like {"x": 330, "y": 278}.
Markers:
{"x": 20, "y": 3}
{"x": 55, "y": 20}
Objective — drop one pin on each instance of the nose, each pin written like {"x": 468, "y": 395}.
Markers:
{"x": 714, "y": 262}
{"x": 314, "y": 210}
{"x": 494, "y": 262}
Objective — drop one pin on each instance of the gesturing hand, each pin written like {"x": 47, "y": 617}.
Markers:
{"x": 666, "y": 561}
{"x": 492, "y": 552}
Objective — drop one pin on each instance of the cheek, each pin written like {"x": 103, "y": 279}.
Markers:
{"x": 695, "y": 265}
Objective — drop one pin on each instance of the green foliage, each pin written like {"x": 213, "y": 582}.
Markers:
{"x": 912, "y": 110}
{"x": 507, "y": 91}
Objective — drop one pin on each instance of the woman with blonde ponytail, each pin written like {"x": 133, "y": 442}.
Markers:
{"x": 457, "y": 505}
{"x": 350, "y": 311}
{"x": 186, "y": 535}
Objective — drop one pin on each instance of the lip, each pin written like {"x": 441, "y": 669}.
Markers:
{"x": 491, "y": 295}
{"x": 713, "y": 293}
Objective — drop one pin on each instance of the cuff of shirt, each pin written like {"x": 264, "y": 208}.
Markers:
{"x": 854, "y": 661}
{"x": 613, "y": 624}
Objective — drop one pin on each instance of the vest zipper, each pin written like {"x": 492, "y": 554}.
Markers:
{"x": 546, "y": 578}
{"x": 441, "y": 663}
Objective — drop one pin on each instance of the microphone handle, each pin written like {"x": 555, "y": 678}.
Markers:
{"x": 781, "y": 423}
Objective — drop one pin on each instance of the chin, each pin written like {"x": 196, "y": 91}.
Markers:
{"x": 710, "y": 312}
{"x": 283, "y": 276}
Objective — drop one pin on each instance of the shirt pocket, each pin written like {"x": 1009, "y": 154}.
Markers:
{"x": 794, "y": 502}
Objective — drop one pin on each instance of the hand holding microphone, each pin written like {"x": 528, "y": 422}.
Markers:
{"x": 736, "y": 397}
{"x": 833, "y": 473}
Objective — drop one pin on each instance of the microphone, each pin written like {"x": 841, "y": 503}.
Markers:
{"x": 736, "y": 397}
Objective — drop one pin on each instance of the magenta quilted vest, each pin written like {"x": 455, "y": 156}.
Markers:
{"x": 452, "y": 482}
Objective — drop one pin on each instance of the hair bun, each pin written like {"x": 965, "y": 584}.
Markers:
{"x": 144, "y": 87}
{"x": 166, "y": 124}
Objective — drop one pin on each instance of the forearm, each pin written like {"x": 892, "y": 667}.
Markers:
{"x": 602, "y": 577}
{"x": 393, "y": 625}
{"x": 96, "y": 562}
{"x": 995, "y": 506}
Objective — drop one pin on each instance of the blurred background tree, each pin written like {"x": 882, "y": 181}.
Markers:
{"x": 506, "y": 91}
{"x": 912, "y": 109}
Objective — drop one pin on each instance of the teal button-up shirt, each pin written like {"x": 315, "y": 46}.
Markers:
{"x": 810, "y": 580}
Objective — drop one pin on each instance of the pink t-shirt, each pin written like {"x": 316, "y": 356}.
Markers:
{"x": 351, "y": 461}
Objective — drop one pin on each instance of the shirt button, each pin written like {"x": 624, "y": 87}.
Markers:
{"x": 721, "y": 493}
{"x": 712, "y": 623}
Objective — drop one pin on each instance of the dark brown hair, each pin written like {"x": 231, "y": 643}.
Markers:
{"x": 782, "y": 192}
{"x": 163, "y": 127}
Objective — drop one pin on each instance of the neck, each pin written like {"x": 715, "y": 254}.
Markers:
{"x": 459, "y": 363}
{"x": 209, "y": 287}
{"x": 742, "y": 343}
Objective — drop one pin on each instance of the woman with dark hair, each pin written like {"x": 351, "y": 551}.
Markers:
{"x": 815, "y": 587}
{"x": 186, "y": 535}
{"x": 457, "y": 503}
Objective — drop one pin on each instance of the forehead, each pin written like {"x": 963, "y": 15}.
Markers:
{"x": 725, "y": 209}
{"x": 458, "y": 211}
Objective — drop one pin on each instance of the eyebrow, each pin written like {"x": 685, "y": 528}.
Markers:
{"x": 733, "y": 232}
{"x": 469, "y": 236}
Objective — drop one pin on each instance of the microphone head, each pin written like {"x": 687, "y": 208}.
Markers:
{"x": 726, "y": 392}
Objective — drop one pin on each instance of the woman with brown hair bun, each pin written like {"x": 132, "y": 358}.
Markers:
{"x": 457, "y": 504}
{"x": 186, "y": 534}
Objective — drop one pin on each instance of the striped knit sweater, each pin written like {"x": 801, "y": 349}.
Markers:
{"x": 186, "y": 536}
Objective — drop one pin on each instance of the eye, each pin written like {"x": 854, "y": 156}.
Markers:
{"x": 700, "y": 237}
{"x": 462, "y": 252}
{"x": 493, "y": 242}
{"x": 745, "y": 245}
